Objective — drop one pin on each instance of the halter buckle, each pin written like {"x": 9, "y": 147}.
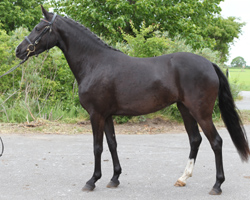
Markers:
{"x": 31, "y": 48}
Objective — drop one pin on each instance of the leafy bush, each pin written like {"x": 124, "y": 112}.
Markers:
{"x": 44, "y": 87}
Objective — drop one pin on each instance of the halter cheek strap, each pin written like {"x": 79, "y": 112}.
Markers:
{"x": 53, "y": 19}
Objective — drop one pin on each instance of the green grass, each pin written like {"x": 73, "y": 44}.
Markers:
{"x": 241, "y": 76}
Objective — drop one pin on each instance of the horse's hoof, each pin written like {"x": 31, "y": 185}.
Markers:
{"x": 88, "y": 188}
{"x": 113, "y": 184}
{"x": 179, "y": 183}
{"x": 215, "y": 191}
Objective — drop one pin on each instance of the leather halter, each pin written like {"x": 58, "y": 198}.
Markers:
{"x": 32, "y": 46}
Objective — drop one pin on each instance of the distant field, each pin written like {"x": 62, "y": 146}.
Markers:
{"x": 241, "y": 76}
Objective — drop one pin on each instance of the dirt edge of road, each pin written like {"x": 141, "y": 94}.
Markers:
{"x": 150, "y": 126}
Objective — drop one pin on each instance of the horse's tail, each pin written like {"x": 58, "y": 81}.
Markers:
{"x": 230, "y": 116}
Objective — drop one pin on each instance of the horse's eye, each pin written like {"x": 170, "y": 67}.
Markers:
{"x": 37, "y": 29}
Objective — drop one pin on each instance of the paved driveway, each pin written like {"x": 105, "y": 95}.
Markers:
{"x": 54, "y": 167}
{"x": 244, "y": 104}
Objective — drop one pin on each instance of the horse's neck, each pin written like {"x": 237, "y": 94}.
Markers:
{"x": 80, "y": 48}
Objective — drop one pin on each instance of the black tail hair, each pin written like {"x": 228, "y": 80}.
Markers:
{"x": 231, "y": 117}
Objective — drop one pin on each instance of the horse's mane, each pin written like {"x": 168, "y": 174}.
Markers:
{"x": 93, "y": 35}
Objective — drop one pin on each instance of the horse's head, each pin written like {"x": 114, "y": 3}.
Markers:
{"x": 41, "y": 38}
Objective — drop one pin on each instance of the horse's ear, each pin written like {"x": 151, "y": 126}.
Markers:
{"x": 45, "y": 12}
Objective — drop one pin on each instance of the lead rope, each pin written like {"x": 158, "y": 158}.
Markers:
{"x": 2, "y": 147}
{"x": 13, "y": 68}
{"x": 27, "y": 56}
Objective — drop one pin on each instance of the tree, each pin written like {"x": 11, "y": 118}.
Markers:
{"x": 14, "y": 13}
{"x": 104, "y": 17}
{"x": 238, "y": 62}
{"x": 224, "y": 31}
{"x": 194, "y": 20}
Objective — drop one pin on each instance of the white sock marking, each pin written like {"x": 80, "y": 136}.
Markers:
{"x": 188, "y": 171}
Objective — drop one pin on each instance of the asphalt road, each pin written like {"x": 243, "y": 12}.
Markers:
{"x": 55, "y": 167}
{"x": 244, "y": 103}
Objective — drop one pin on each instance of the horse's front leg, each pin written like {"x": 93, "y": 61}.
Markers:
{"x": 110, "y": 135}
{"x": 97, "y": 122}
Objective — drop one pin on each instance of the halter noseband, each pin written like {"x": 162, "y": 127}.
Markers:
{"x": 32, "y": 46}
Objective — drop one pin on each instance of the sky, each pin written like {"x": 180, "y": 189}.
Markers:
{"x": 239, "y": 9}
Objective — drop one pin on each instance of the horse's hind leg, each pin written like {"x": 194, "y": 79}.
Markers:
{"x": 195, "y": 141}
{"x": 110, "y": 135}
{"x": 216, "y": 144}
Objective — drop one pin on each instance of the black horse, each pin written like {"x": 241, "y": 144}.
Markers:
{"x": 112, "y": 83}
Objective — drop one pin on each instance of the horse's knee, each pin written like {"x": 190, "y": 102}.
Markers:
{"x": 98, "y": 150}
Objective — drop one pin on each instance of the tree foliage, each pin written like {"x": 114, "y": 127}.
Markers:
{"x": 224, "y": 31}
{"x": 194, "y": 20}
{"x": 14, "y": 13}
{"x": 150, "y": 42}
{"x": 186, "y": 18}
